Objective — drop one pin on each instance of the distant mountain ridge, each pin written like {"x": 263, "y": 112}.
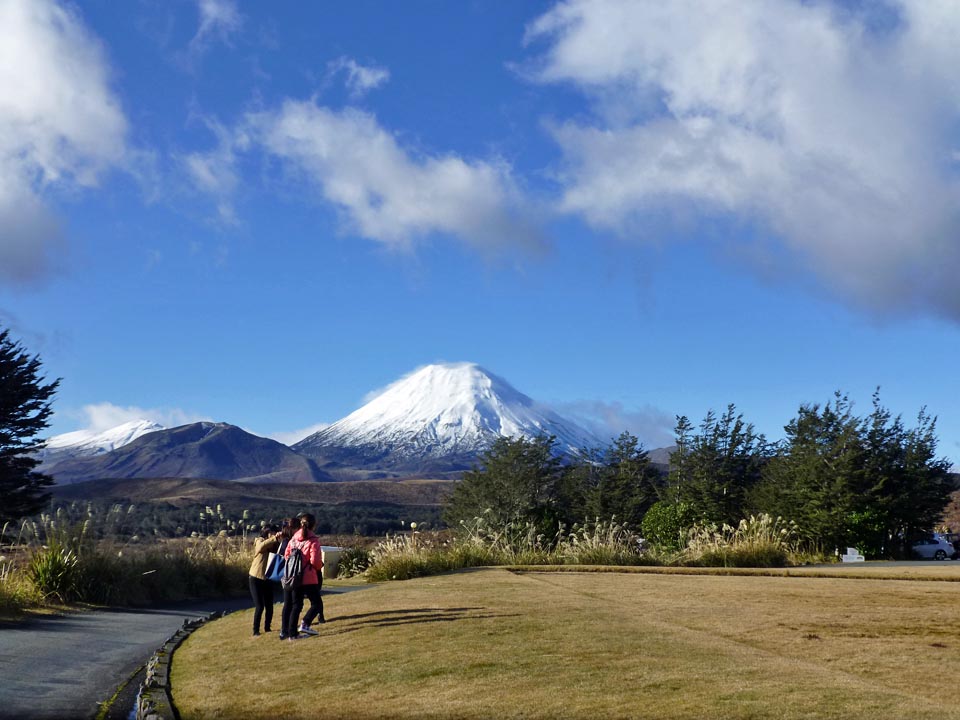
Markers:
{"x": 86, "y": 443}
{"x": 213, "y": 451}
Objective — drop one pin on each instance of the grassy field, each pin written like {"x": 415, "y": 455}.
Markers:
{"x": 494, "y": 643}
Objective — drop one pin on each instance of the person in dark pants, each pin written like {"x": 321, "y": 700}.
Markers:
{"x": 261, "y": 589}
{"x": 308, "y": 544}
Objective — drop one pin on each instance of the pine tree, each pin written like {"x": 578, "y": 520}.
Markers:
{"x": 816, "y": 477}
{"x": 626, "y": 484}
{"x": 517, "y": 479}
{"x": 24, "y": 411}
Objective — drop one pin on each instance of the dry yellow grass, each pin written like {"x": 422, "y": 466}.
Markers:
{"x": 492, "y": 643}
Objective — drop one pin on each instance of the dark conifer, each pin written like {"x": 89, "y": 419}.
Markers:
{"x": 24, "y": 411}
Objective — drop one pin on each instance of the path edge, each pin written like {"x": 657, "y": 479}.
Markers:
{"x": 154, "y": 701}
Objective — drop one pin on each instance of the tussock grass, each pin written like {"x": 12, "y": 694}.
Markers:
{"x": 491, "y": 643}
{"x": 757, "y": 541}
{"x": 51, "y": 563}
{"x": 480, "y": 543}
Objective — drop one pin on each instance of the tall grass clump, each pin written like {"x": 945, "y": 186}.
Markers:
{"x": 758, "y": 541}
{"x": 402, "y": 557}
{"x": 511, "y": 543}
{"x": 603, "y": 542}
{"x": 480, "y": 542}
{"x": 354, "y": 560}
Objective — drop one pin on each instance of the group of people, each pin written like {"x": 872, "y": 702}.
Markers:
{"x": 293, "y": 533}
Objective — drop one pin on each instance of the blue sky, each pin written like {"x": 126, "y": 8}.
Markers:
{"x": 260, "y": 212}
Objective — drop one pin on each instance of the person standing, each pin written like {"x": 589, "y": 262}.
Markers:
{"x": 308, "y": 544}
{"x": 261, "y": 589}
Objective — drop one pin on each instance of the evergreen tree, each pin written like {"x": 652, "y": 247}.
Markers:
{"x": 517, "y": 479}
{"x": 865, "y": 482}
{"x": 906, "y": 485}
{"x": 678, "y": 458}
{"x": 720, "y": 465}
{"x": 24, "y": 411}
{"x": 626, "y": 484}
{"x": 816, "y": 477}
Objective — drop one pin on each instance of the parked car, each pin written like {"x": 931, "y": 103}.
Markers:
{"x": 934, "y": 547}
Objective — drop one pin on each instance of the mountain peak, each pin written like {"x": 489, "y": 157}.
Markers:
{"x": 438, "y": 412}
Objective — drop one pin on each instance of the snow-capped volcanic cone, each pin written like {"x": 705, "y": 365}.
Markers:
{"x": 87, "y": 443}
{"x": 438, "y": 419}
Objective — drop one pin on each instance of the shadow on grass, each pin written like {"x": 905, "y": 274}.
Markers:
{"x": 409, "y": 616}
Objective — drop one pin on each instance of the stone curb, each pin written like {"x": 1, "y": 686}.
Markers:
{"x": 154, "y": 701}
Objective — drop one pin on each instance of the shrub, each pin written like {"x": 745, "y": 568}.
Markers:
{"x": 666, "y": 524}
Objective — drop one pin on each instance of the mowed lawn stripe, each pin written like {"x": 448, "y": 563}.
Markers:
{"x": 845, "y": 644}
{"x": 491, "y": 643}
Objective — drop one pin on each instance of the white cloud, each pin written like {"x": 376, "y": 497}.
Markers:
{"x": 387, "y": 193}
{"x": 360, "y": 79}
{"x": 60, "y": 127}
{"x": 219, "y": 19}
{"x": 215, "y": 172}
{"x": 103, "y": 416}
{"x": 295, "y": 436}
{"x": 831, "y": 129}
{"x": 652, "y": 426}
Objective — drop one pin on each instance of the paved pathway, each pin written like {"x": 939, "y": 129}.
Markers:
{"x": 64, "y": 666}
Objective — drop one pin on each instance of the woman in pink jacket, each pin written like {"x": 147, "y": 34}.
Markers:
{"x": 308, "y": 544}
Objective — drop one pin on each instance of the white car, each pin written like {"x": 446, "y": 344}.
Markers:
{"x": 934, "y": 547}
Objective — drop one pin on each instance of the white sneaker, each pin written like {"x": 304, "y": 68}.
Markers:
{"x": 307, "y": 631}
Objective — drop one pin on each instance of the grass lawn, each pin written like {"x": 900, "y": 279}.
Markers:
{"x": 493, "y": 643}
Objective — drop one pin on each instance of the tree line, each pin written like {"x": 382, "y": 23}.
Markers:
{"x": 846, "y": 480}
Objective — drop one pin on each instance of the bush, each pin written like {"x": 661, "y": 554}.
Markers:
{"x": 666, "y": 524}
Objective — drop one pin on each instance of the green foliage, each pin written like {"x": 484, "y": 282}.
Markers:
{"x": 619, "y": 481}
{"x": 24, "y": 411}
{"x": 666, "y": 524}
{"x": 717, "y": 467}
{"x": 517, "y": 479}
{"x": 55, "y": 572}
{"x": 850, "y": 481}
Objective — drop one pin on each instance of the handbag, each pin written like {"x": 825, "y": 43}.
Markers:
{"x": 275, "y": 564}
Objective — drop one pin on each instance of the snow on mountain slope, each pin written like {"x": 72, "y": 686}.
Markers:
{"x": 442, "y": 411}
{"x": 86, "y": 443}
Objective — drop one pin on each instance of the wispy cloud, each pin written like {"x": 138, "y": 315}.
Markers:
{"x": 220, "y": 20}
{"x": 388, "y": 193}
{"x": 61, "y": 127}
{"x": 295, "y": 436}
{"x": 359, "y": 79}
{"x": 98, "y": 417}
{"x": 830, "y": 128}
{"x": 214, "y": 173}
{"x": 607, "y": 420}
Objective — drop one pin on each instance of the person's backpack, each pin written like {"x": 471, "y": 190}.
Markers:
{"x": 293, "y": 570}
